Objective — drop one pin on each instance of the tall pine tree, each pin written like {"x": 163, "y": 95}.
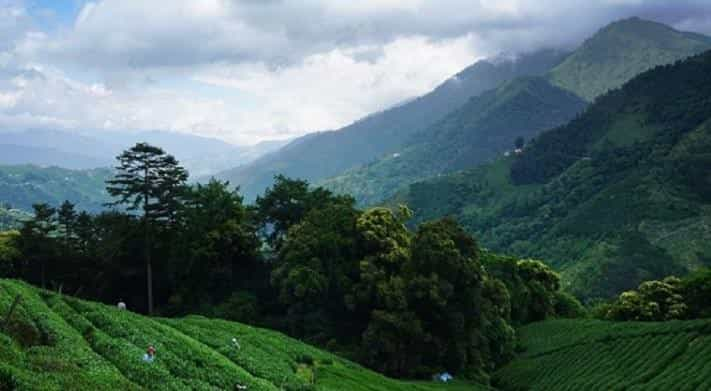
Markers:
{"x": 149, "y": 180}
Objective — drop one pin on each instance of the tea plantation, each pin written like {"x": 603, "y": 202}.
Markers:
{"x": 55, "y": 342}
{"x": 597, "y": 355}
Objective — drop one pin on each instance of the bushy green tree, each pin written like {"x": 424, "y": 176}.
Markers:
{"x": 316, "y": 268}
{"x": 36, "y": 242}
{"x": 652, "y": 301}
{"x": 286, "y": 203}
{"x": 9, "y": 253}
{"x": 696, "y": 290}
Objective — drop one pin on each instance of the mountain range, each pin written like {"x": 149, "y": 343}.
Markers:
{"x": 619, "y": 195}
{"x": 487, "y": 126}
{"x": 323, "y": 154}
{"x": 87, "y": 150}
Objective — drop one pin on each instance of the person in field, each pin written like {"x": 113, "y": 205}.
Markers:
{"x": 150, "y": 354}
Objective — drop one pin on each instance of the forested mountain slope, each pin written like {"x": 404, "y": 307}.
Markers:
{"x": 487, "y": 126}
{"x": 320, "y": 155}
{"x": 22, "y": 186}
{"x": 482, "y": 129}
{"x": 56, "y": 342}
{"x": 619, "y": 195}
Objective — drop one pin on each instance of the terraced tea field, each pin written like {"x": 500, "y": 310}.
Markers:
{"x": 597, "y": 355}
{"x": 55, "y": 342}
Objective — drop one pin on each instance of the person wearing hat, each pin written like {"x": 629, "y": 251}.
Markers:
{"x": 150, "y": 354}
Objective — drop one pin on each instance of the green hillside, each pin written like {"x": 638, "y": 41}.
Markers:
{"x": 597, "y": 355}
{"x": 321, "y": 155}
{"x": 24, "y": 185}
{"x": 619, "y": 52}
{"x": 482, "y": 129}
{"x": 55, "y": 342}
{"x": 620, "y": 195}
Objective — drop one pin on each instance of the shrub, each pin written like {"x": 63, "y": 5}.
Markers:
{"x": 567, "y": 306}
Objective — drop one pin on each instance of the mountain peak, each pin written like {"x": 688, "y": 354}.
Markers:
{"x": 621, "y": 50}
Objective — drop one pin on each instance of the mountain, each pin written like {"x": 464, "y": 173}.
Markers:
{"x": 488, "y": 125}
{"x": 57, "y": 342}
{"x": 75, "y": 150}
{"x": 11, "y": 154}
{"x": 482, "y": 129}
{"x": 23, "y": 185}
{"x": 620, "y": 51}
{"x": 619, "y": 195}
{"x": 324, "y": 154}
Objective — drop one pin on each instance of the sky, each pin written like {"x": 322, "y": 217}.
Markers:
{"x": 245, "y": 71}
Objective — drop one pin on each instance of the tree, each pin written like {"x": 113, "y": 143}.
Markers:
{"x": 286, "y": 203}
{"x": 519, "y": 142}
{"x": 316, "y": 268}
{"x": 67, "y": 219}
{"x": 652, "y": 301}
{"x": 36, "y": 241}
{"x": 217, "y": 245}
{"x": 444, "y": 289}
{"x": 152, "y": 181}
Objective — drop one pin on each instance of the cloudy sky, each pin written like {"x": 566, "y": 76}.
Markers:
{"x": 252, "y": 70}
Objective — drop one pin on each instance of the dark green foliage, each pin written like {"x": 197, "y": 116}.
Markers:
{"x": 8, "y": 382}
{"x": 670, "y": 298}
{"x": 286, "y": 203}
{"x": 9, "y": 253}
{"x": 652, "y": 301}
{"x": 696, "y": 289}
{"x": 567, "y": 306}
{"x": 532, "y": 287}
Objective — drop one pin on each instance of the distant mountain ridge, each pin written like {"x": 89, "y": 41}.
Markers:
{"x": 479, "y": 132}
{"x": 75, "y": 150}
{"x": 320, "y": 155}
{"x": 24, "y": 185}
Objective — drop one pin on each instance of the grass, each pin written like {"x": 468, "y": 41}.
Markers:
{"x": 598, "y": 355}
{"x": 56, "y": 342}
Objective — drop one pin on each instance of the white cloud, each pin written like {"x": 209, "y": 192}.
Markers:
{"x": 251, "y": 70}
